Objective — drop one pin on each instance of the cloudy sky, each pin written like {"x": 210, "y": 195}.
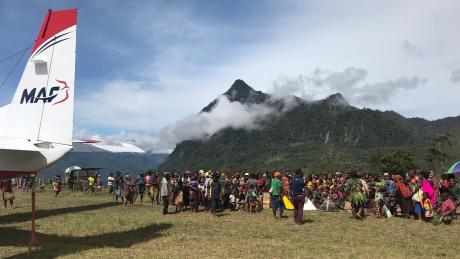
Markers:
{"x": 144, "y": 65}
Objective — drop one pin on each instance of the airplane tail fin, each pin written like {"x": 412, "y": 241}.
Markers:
{"x": 42, "y": 107}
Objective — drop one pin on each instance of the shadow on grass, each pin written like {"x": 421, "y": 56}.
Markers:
{"x": 306, "y": 221}
{"x": 26, "y": 216}
{"x": 54, "y": 245}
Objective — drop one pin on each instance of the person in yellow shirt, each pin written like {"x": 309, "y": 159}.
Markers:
{"x": 91, "y": 183}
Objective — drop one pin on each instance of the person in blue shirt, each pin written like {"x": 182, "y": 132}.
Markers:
{"x": 298, "y": 195}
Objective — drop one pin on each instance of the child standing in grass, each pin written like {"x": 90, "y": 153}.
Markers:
{"x": 57, "y": 185}
{"x": 252, "y": 198}
{"x": 427, "y": 207}
{"x": 7, "y": 193}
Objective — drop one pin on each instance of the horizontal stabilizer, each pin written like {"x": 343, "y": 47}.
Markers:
{"x": 17, "y": 144}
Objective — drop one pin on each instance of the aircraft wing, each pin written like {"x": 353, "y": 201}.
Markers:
{"x": 85, "y": 141}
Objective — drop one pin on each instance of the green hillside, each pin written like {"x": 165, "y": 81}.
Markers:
{"x": 323, "y": 135}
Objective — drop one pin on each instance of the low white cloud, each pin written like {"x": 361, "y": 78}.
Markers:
{"x": 351, "y": 83}
{"x": 225, "y": 114}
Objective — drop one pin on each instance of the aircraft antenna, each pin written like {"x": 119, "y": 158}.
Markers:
{"x": 47, "y": 21}
{"x": 46, "y": 87}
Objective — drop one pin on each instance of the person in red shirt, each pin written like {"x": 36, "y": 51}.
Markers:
{"x": 447, "y": 208}
{"x": 260, "y": 191}
{"x": 7, "y": 192}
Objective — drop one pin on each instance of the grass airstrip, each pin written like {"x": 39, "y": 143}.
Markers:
{"x": 81, "y": 225}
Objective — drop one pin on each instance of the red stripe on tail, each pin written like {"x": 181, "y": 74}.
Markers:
{"x": 55, "y": 22}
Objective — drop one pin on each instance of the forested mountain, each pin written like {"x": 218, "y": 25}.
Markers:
{"x": 323, "y": 135}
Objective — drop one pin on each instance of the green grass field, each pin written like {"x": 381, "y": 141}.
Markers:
{"x": 77, "y": 225}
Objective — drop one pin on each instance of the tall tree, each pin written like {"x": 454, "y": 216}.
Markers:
{"x": 399, "y": 161}
{"x": 438, "y": 152}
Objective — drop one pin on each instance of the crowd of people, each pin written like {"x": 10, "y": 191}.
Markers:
{"x": 418, "y": 195}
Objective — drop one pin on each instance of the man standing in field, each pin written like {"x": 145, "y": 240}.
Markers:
{"x": 275, "y": 191}
{"x": 225, "y": 185}
{"x": 356, "y": 195}
{"x": 118, "y": 186}
{"x": 165, "y": 192}
{"x": 110, "y": 181}
{"x": 298, "y": 195}
{"x": 215, "y": 193}
{"x": 140, "y": 182}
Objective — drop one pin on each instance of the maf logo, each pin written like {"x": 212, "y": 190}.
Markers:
{"x": 33, "y": 96}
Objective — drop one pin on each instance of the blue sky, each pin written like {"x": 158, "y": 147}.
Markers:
{"x": 144, "y": 65}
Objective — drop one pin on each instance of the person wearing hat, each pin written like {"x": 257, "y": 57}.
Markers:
{"x": 276, "y": 195}
{"x": 245, "y": 177}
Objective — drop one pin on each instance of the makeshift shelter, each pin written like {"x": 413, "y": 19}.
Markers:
{"x": 287, "y": 203}
{"x": 309, "y": 206}
{"x": 328, "y": 205}
{"x": 80, "y": 177}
